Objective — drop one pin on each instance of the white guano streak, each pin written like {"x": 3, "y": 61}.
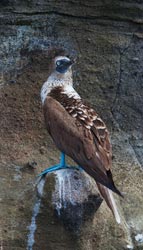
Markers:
{"x": 33, "y": 226}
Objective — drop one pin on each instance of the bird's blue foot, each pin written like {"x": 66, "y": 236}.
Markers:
{"x": 61, "y": 165}
{"x": 50, "y": 169}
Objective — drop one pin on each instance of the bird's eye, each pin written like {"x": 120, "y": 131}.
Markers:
{"x": 58, "y": 63}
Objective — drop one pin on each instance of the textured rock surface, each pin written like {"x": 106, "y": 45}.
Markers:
{"x": 64, "y": 213}
{"x": 67, "y": 220}
{"x": 107, "y": 39}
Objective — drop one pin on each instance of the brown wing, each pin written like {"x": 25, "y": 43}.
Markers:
{"x": 94, "y": 124}
{"x": 102, "y": 141}
{"x": 78, "y": 142}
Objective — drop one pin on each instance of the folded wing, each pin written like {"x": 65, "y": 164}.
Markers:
{"x": 83, "y": 144}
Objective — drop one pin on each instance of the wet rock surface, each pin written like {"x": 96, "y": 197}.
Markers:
{"x": 106, "y": 37}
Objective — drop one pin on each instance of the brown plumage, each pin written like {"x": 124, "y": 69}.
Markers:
{"x": 80, "y": 133}
{"x": 83, "y": 137}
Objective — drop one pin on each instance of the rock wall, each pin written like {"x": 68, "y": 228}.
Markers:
{"x": 106, "y": 37}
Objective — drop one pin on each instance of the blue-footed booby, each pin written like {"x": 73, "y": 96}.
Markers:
{"x": 77, "y": 130}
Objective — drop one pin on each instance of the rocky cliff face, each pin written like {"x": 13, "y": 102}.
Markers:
{"x": 106, "y": 37}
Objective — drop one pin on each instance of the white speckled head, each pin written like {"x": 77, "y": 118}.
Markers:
{"x": 61, "y": 75}
{"x": 61, "y": 58}
{"x": 62, "y": 64}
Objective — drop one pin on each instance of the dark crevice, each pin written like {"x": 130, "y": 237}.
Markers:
{"x": 101, "y": 17}
{"x": 119, "y": 83}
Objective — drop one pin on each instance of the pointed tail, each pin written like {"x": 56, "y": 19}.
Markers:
{"x": 108, "y": 197}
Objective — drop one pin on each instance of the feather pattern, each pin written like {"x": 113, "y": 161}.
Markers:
{"x": 94, "y": 127}
{"x": 79, "y": 132}
{"x": 77, "y": 141}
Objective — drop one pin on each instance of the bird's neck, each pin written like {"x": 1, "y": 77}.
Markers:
{"x": 55, "y": 80}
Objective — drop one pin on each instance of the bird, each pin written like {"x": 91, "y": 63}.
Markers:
{"x": 77, "y": 130}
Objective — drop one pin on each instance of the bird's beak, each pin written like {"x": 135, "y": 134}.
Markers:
{"x": 69, "y": 63}
{"x": 64, "y": 66}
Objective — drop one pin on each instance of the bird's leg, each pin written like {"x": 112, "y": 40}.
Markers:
{"x": 62, "y": 160}
{"x": 61, "y": 165}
